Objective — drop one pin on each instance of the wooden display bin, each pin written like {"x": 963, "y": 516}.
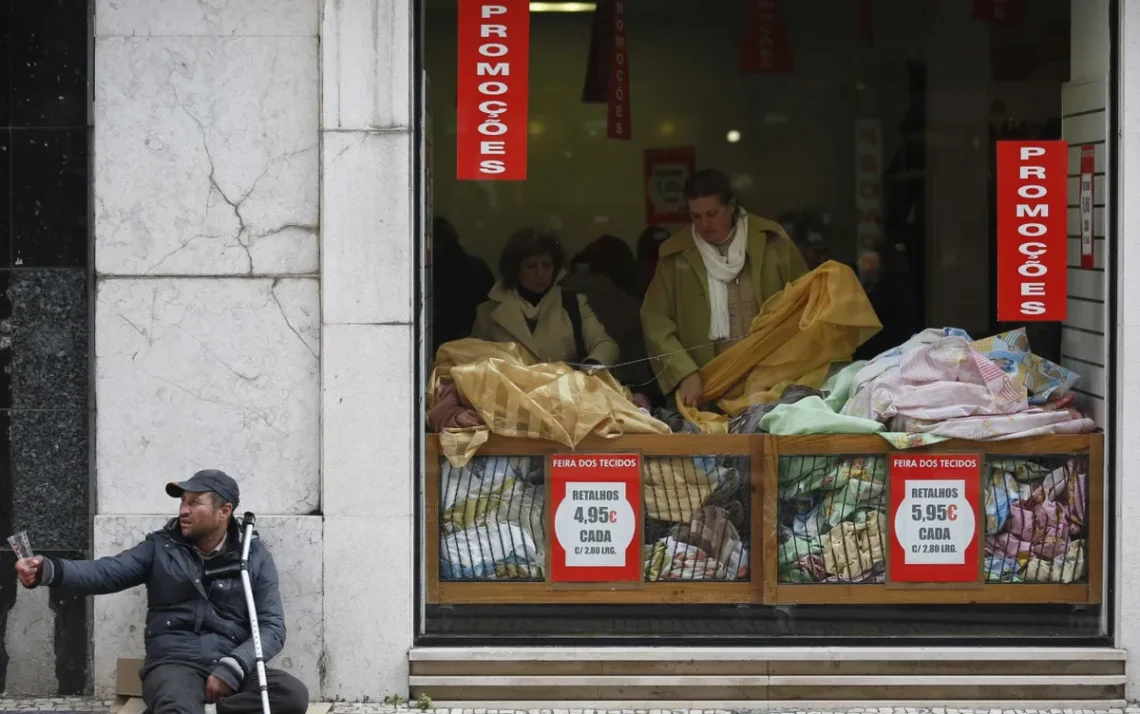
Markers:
{"x": 761, "y": 531}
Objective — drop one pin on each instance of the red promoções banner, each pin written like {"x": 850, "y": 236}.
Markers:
{"x": 492, "y": 90}
{"x": 934, "y": 518}
{"x": 1032, "y": 231}
{"x": 766, "y": 49}
{"x": 595, "y": 512}
{"x": 617, "y": 117}
{"x": 1001, "y": 11}
{"x": 1087, "y": 203}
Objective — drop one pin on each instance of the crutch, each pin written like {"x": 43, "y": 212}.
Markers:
{"x": 247, "y": 586}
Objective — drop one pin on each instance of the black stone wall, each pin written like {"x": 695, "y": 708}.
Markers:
{"x": 45, "y": 404}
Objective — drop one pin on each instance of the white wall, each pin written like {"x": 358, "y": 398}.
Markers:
{"x": 206, "y": 175}
{"x": 1127, "y": 414}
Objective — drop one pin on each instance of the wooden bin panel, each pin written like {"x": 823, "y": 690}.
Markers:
{"x": 659, "y": 592}
{"x": 1088, "y": 591}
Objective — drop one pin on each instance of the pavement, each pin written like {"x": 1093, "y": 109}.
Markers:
{"x": 101, "y": 706}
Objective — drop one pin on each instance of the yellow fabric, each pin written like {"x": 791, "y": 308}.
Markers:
{"x": 501, "y": 319}
{"x": 674, "y": 488}
{"x": 817, "y": 320}
{"x": 675, "y": 313}
{"x": 518, "y": 398}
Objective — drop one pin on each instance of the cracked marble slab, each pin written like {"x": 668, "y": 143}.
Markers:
{"x": 206, "y": 17}
{"x": 197, "y": 373}
{"x": 206, "y": 156}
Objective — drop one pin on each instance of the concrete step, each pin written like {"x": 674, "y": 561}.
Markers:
{"x": 689, "y": 677}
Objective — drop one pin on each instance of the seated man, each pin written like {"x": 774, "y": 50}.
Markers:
{"x": 199, "y": 646}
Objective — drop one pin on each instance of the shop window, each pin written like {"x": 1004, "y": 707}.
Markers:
{"x": 761, "y": 249}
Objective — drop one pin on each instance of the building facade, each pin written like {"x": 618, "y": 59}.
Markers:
{"x": 252, "y": 298}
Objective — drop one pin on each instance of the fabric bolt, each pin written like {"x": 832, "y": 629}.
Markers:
{"x": 1001, "y": 492}
{"x": 451, "y": 412}
{"x": 676, "y": 421}
{"x": 712, "y": 532}
{"x": 1043, "y": 379}
{"x": 670, "y": 559}
{"x": 748, "y": 421}
{"x": 1069, "y": 566}
{"x": 854, "y": 549}
{"x": 945, "y": 379}
{"x": 812, "y": 415}
{"x": 841, "y": 385}
{"x": 518, "y": 398}
{"x": 815, "y": 321}
{"x": 675, "y": 488}
{"x": 499, "y": 551}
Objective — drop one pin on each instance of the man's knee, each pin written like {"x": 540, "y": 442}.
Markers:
{"x": 288, "y": 694}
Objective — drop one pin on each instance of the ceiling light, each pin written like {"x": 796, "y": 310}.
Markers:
{"x": 733, "y": 136}
{"x": 563, "y": 6}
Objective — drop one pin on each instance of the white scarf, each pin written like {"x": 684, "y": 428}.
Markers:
{"x": 720, "y": 270}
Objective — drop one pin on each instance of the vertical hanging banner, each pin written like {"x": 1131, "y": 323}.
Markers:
{"x": 1088, "y": 200}
{"x": 765, "y": 49}
{"x": 596, "y": 505}
{"x": 999, "y": 11}
{"x": 492, "y": 90}
{"x": 666, "y": 171}
{"x": 1032, "y": 235}
{"x": 617, "y": 118}
{"x": 596, "y": 88}
{"x": 934, "y": 533}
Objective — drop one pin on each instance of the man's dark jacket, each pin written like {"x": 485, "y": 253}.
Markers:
{"x": 189, "y": 622}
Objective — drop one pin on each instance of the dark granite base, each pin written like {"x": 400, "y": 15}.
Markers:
{"x": 48, "y": 459}
{"x": 71, "y": 638}
{"x": 43, "y": 339}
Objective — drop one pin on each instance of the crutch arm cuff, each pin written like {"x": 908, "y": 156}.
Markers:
{"x": 230, "y": 672}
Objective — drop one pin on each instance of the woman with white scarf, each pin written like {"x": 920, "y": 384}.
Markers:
{"x": 712, "y": 278}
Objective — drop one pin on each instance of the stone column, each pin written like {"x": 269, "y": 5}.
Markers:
{"x": 208, "y": 294}
{"x": 367, "y": 266}
{"x": 1126, "y": 410}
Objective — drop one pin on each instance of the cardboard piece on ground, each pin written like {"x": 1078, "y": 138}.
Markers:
{"x": 128, "y": 690}
{"x": 127, "y": 705}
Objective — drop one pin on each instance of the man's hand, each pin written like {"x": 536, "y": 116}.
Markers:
{"x": 216, "y": 689}
{"x": 30, "y": 569}
{"x": 690, "y": 390}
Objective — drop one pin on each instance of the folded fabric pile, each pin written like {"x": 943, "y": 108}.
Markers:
{"x": 478, "y": 388}
{"x": 708, "y": 548}
{"x": 696, "y": 520}
{"x": 491, "y": 519}
{"x": 943, "y": 384}
{"x": 1036, "y": 518}
{"x": 833, "y": 521}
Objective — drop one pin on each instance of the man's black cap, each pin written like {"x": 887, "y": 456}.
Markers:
{"x": 209, "y": 480}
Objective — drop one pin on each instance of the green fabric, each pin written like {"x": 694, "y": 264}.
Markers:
{"x": 841, "y": 385}
{"x": 813, "y": 416}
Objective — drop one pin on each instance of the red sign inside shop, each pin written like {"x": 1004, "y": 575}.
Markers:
{"x": 617, "y": 117}
{"x": 596, "y": 518}
{"x": 934, "y": 518}
{"x": 1031, "y": 224}
{"x": 492, "y": 90}
{"x": 766, "y": 49}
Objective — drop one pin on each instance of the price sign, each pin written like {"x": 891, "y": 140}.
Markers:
{"x": 666, "y": 171}
{"x": 1088, "y": 171}
{"x": 596, "y": 502}
{"x": 934, "y": 505}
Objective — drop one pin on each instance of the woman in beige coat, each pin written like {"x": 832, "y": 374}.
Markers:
{"x": 527, "y": 307}
{"x": 712, "y": 279}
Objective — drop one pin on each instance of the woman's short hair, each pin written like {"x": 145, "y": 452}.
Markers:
{"x": 710, "y": 182}
{"x": 528, "y": 243}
